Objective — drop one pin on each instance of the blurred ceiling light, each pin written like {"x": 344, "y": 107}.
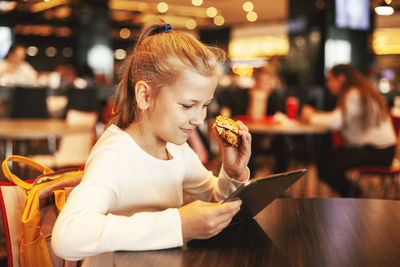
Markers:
{"x": 101, "y": 59}
{"x": 251, "y": 16}
{"x": 248, "y": 6}
{"x": 300, "y": 42}
{"x": 43, "y": 30}
{"x": 129, "y": 5}
{"x": 219, "y": 20}
{"x": 384, "y": 9}
{"x": 67, "y": 52}
{"x": 63, "y": 31}
{"x": 124, "y": 33}
{"x": 162, "y": 7}
{"x": 32, "y": 51}
{"x": 320, "y": 4}
{"x": 181, "y": 10}
{"x": 384, "y": 85}
{"x": 242, "y": 69}
{"x": 120, "y": 54}
{"x": 40, "y": 6}
{"x": 6, "y": 6}
{"x": 258, "y": 42}
{"x": 190, "y": 24}
{"x": 177, "y": 21}
{"x": 315, "y": 36}
{"x": 197, "y": 2}
{"x": 80, "y": 83}
{"x": 121, "y": 15}
{"x": 386, "y": 41}
{"x": 62, "y": 12}
{"x": 212, "y": 12}
{"x": 50, "y": 51}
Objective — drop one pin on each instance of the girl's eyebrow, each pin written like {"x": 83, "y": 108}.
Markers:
{"x": 197, "y": 101}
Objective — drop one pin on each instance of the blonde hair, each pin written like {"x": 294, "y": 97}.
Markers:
{"x": 160, "y": 58}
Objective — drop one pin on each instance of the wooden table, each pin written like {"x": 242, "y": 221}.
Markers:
{"x": 291, "y": 232}
{"x": 33, "y": 129}
{"x": 269, "y": 125}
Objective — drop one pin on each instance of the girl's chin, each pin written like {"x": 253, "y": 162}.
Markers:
{"x": 178, "y": 141}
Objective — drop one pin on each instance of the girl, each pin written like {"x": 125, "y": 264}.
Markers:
{"x": 364, "y": 123}
{"x": 131, "y": 195}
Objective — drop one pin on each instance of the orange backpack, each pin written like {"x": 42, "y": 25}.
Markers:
{"x": 45, "y": 198}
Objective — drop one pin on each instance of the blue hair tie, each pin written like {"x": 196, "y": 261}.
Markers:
{"x": 165, "y": 28}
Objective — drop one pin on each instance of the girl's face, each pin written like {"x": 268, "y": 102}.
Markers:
{"x": 334, "y": 83}
{"x": 179, "y": 108}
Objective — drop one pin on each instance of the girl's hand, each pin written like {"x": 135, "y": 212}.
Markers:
{"x": 202, "y": 220}
{"x": 235, "y": 159}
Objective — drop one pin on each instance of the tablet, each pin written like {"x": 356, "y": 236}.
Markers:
{"x": 258, "y": 193}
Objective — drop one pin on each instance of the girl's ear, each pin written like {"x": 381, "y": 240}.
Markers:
{"x": 142, "y": 94}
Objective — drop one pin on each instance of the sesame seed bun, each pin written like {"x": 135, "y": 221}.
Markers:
{"x": 227, "y": 131}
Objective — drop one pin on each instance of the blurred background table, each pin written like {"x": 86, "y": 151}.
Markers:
{"x": 291, "y": 232}
{"x": 33, "y": 129}
{"x": 270, "y": 125}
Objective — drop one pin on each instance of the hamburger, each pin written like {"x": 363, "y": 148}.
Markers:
{"x": 227, "y": 131}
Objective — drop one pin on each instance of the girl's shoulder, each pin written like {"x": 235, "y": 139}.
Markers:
{"x": 113, "y": 138}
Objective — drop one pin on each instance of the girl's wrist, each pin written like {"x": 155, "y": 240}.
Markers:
{"x": 238, "y": 175}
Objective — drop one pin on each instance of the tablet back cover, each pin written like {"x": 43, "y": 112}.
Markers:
{"x": 260, "y": 192}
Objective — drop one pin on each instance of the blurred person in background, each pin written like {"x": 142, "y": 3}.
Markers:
{"x": 14, "y": 70}
{"x": 265, "y": 82}
{"x": 363, "y": 120}
{"x": 267, "y": 97}
{"x": 67, "y": 74}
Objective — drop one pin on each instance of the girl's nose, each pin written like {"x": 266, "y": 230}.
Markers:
{"x": 198, "y": 118}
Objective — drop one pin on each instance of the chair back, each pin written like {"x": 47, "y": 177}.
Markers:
{"x": 82, "y": 99}
{"x": 29, "y": 102}
{"x": 75, "y": 148}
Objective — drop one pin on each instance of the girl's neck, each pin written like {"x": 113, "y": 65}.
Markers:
{"x": 147, "y": 141}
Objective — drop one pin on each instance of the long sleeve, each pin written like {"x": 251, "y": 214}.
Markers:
{"x": 86, "y": 225}
{"x": 202, "y": 184}
{"x": 332, "y": 119}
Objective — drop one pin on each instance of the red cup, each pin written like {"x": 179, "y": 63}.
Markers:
{"x": 292, "y": 105}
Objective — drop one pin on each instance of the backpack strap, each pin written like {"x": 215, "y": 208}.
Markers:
{"x": 15, "y": 179}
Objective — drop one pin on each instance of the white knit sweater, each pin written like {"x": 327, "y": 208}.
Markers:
{"x": 128, "y": 199}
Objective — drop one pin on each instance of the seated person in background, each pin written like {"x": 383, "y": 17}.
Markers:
{"x": 266, "y": 98}
{"x": 131, "y": 195}
{"x": 364, "y": 122}
{"x": 14, "y": 70}
{"x": 265, "y": 82}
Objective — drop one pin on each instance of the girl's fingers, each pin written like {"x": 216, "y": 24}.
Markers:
{"x": 242, "y": 126}
{"x": 226, "y": 214}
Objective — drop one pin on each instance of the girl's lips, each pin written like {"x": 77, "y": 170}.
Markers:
{"x": 187, "y": 131}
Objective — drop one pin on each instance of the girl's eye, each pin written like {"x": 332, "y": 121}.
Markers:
{"x": 205, "y": 106}
{"x": 186, "y": 106}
